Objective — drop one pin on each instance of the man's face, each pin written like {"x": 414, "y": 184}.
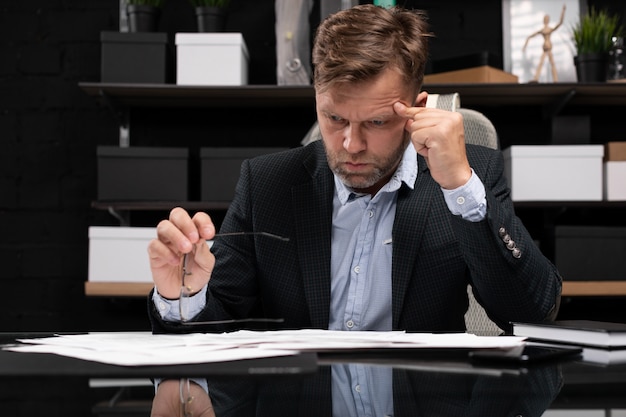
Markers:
{"x": 364, "y": 138}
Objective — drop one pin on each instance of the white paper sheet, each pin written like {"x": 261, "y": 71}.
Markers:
{"x": 144, "y": 348}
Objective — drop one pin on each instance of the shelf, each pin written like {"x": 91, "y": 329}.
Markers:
{"x": 118, "y": 289}
{"x": 535, "y": 94}
{"x": 171, "y": 95}
{"x": 570, "y": 288}
{"x": 594, "y": 288}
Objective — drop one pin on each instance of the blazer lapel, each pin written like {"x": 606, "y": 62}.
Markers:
{"x": 412, "y": 213}
{"x": 313, "y": 203}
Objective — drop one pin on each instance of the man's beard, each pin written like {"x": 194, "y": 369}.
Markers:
{"x": 381, "y": 167}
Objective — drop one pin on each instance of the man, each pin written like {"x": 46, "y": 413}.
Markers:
{"x": 388, "y": 218}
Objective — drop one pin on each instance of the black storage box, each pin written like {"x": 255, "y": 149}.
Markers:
{"x": 138, "y": 57}
{"x": 142, "y": 173}
{"x": 220, "y": 170}
{"x": 591, "y": 253}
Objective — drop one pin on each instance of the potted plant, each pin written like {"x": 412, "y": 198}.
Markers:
{"x": 143, "y": 15}
{"x": 593, "y": 39}
{"x": 210, "y": 14}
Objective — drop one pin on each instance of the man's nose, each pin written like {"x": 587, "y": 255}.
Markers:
{"x": 353, "y": 141}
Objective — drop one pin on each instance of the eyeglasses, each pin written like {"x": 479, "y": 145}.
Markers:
{"x": 186, "y": 291}
{"x": 185, "y": 397}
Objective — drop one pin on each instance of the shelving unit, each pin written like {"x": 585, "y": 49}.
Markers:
{"x": 521, "y": 112}
{"x": 472, "y": 95}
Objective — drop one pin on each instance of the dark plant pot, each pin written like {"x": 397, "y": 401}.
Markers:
{"x": 592, "y": 67}
{"x": 142, "y": 18}
{"x": 211, "y": 19}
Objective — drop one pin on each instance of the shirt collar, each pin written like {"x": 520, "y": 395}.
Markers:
{"x": 406, "y": 173}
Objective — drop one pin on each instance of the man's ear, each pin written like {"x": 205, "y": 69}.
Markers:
{"x": 421, "y": 99}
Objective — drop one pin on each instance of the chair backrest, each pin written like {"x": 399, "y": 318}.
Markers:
{"x": 478, "y": 128}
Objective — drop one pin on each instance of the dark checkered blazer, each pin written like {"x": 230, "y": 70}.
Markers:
{"x": 435, "y": 254}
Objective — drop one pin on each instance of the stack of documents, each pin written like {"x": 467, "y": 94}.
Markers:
{"x": 144, "y": 348}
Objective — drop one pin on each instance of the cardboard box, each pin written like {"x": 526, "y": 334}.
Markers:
{"x": 220, "y": 169}
{"x": 142, "y": 173}
{"x": 615, "y": 151}
{"x": 554, "y": 172}
{"x": 615, "y": 180}
{"x": 120, "y": 254}
{"x": 140, "y": 57}
{"x": 588, "y": 253}
{"x": 482, "y": 74}
{"x": 211, "y": 59}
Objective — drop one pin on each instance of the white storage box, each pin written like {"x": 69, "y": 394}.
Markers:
{"x": 211, "y": 59}
{"x": 555, "y": 172}
{"x": 615, "y": 180}
{"x": 120, "y": 254}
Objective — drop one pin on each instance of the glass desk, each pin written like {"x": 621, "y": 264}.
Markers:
{"x": 419, "y": 385}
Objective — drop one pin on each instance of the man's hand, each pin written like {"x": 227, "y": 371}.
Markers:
{"x": 438, "y": 136}
{"x": 167, "y": 401}
{"x": 178, "y": 235}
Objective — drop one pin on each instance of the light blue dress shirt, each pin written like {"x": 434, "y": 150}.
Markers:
{"x": 361, "y": 253}
{"x": 361, "y": 278}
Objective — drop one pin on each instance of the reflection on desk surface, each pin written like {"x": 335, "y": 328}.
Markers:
{"x": 567, "y": 386}
{"x": 364, "y": 390}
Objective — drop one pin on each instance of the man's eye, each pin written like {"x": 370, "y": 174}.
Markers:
{"x": 336, "y": 119}
{"x": 377, "y": 122}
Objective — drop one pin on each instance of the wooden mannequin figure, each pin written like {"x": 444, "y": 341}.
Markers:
{"x": 546, "y": 31}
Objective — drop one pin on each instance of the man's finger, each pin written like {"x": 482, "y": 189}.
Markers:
{"x": 404, "y": 111}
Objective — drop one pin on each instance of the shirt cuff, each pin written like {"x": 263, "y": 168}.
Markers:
{"x": 468, "y": 201}
{"x": 200, "y": 381}
{"x": 170, "y": 309}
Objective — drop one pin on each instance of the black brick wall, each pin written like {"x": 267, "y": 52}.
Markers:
{"x": 48, "y": 132}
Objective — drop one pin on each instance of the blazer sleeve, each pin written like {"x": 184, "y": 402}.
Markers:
{"x": 510, "y": 276}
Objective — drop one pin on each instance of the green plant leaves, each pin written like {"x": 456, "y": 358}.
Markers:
{"x": 595, "y": 31}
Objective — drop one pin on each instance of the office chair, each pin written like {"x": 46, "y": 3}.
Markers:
{"x": 479, "y": 131}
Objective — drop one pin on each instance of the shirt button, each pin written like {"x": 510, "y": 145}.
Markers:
{"x": 162, "y": 306}
{"x": 371, "y": 213}
{"x": 357, "y": 388}
{"x": 350, "y": 324}
{"x": 357, "y": 269}
{"x": 460, "y": 200}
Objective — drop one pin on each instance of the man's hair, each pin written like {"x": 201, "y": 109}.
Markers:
{"x": 357, "y": 44}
